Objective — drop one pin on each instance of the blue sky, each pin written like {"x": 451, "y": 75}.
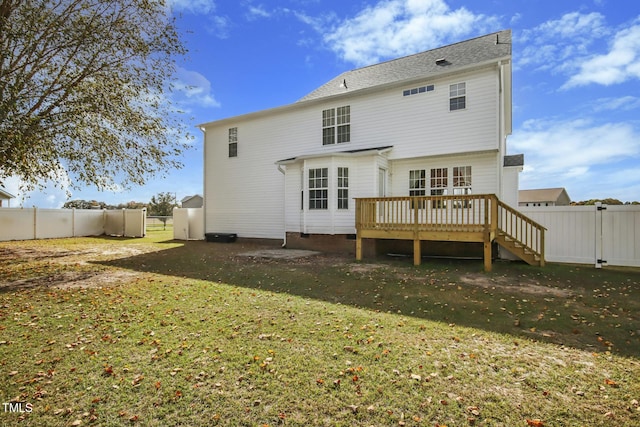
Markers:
{"x": 576, "y": 77}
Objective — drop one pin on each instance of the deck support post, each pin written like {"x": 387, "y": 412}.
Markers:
{"x": 417, "y": 256}
{"x": 487, "y": 252}
{"x": 358, "y": 247}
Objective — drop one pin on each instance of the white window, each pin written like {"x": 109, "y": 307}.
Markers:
{"x": 462, "y": 180}
{"x": 438, "y": 184}
{"x": 462, "y": 184}
{"x": 318, "y": 188}
{"x": 233, "y": 142}
{"x": 457, "y": 96}
{"x": 336, "y": 125}
{"x": 417, "y": 182}
{"x": 343, "y": 188}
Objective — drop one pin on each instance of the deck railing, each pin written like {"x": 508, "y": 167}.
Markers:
{"x": 477, "y": 217}
{"x": 432, "y": 213}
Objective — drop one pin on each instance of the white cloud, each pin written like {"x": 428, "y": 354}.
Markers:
{"x": 556, "y": 45}
{"x": 620, "y": 64}
{"x": 193, "y": 6}
{"x": 257, "y": 12}
{"x": 192, "y": 88}
{"x": 220, "y": 26}
{"x": 52, "y": 194}
{"x": 565, "y": 150}
{"x": 624, "y": 103}
{"x": 395, "y": 28}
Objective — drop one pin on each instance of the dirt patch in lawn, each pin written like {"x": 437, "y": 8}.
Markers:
{"x": 72, "y": 279}
{"x": 279, "y": 253}
{"x": 507, "y": 285}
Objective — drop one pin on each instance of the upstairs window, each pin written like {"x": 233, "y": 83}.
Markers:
{"x": 233, "y": 142}
{"x": 318, "y": 188}
{"x": 336, "y": 125}
{"x": 457, "y": 96}
{"x": 417, "y": 90}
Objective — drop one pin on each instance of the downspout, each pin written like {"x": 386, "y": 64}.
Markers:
{"x": 204, "y": 179}
{"x": 502, "y": 146}
{"x": 283, "y": 171}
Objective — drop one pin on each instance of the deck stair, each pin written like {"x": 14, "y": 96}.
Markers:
{"x": 462, "y": 218}
{"x": 520, "y": 235}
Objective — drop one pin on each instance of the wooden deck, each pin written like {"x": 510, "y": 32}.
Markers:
{"x": 459, "y": 218}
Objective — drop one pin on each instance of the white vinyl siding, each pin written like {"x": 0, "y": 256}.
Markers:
{"x": 423, "y": 132}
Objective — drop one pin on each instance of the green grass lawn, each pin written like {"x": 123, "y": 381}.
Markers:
{"x": 112, "y": 331}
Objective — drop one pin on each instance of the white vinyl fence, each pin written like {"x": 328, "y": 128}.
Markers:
{"x": 599, "y": 235}
{"x": 34, "y": 223}
{"x": 188, "y": 223}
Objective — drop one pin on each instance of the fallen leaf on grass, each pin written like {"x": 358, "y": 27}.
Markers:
{"x": 535, "y": 423}
{"x": 137, "y": 380}
{"x": 611, "y": 383}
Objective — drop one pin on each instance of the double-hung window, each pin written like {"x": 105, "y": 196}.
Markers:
{"x": 438, "y": 183}
{"x": 336, "y": 125}
{"x": 417, "y": 185}
{"x": 417, "y": 182}
{"x": 233, "y": 142}
{"x": 457, "y": 96}
{"x": 343, "y": 188}
{"x": 462, "y": 183}
{"x": 319, "y": 188}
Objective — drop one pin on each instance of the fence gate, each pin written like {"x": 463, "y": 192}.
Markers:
{"x": 617, "y": 235}
{"x": 600, "y": 235}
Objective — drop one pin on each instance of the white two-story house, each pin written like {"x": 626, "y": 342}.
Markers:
{"x": 429, "y": 124}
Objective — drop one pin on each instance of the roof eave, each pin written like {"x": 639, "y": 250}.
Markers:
{"x": 358, "y": 92}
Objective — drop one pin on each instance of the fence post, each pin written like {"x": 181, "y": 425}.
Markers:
{"x": 124, "y": 222}
{"x": 73, "y": 222}
{"x": 35, "y": 223}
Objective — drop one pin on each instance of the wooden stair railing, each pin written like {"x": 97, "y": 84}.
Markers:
{"x": 520, "y": 235}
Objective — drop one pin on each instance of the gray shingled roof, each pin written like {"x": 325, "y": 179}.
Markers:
{"x": 459, "y": 55}
{"x": 514, "y": 160}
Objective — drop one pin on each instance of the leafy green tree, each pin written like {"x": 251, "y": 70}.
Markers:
{"x": 162, "y": 204}
{"x": 132, "y": 205}
{"x": 84, "y": 204}
{"x": 83, "y": 87}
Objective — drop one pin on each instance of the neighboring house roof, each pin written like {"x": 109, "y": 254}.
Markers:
{"x": 6, "y": 195}
{"x": 431, "y": 63}
{"x": 515, "y": 160}
{"x": 542, "y": 195}
{"x": 187, "y": 198}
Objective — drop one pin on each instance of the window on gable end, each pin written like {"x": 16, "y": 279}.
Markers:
{"x": 457, "y": 96}
{"x": 233, "y": 142}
